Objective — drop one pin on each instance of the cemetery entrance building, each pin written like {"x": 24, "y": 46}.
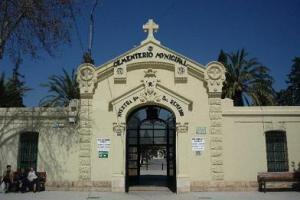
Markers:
{"x": 151, "y": 117}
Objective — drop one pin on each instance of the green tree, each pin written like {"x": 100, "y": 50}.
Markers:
{"x": 294, "y": 81}
{"x": 16, "y": 86}
{"x": 291, "y": 95}
{"x": 247, "y": 81}
{"x": 283, "y": 97}
{"x": 13, "y": 90}
{"x": 30, "y": 25}
{"x": 3, "y": 97}
{"x": 62, "y": 89}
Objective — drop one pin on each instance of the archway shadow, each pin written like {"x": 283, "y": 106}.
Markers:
{"x": 153, "y": 180}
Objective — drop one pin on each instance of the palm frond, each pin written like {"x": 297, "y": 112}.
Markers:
{"x": 247, "y": 81}
{"x": 62, "y": 89}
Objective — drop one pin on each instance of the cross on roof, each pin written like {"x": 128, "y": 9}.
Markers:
{"x": 150, "y": 27}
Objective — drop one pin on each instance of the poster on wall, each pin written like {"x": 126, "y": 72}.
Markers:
{"x": 103, "y": 147}
{"x": 198, "y": 144}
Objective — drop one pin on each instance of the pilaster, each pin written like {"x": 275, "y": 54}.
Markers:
{"x": 85, "y": 134}
{"x": 118, "y": 153}
{"x": 216, "y": 137}
{"x": 182, "y": 174}
{"x": 215, "y": 76}
{"x": 86, "y": 79}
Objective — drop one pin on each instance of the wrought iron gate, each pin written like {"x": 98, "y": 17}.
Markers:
{"x": 150, "y": 127}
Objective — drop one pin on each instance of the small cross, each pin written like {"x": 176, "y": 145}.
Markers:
{"x": 150, "y": 27}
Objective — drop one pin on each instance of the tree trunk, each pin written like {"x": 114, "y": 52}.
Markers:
{"x": 1, "y": 49}
{"x": 238, "y": 99}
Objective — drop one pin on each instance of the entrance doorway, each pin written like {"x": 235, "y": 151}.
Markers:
{"x": 151, "y": 148}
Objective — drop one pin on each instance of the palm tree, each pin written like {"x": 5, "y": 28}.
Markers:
{"x": 62, "y": 89}
{"x": 247, "y": 81}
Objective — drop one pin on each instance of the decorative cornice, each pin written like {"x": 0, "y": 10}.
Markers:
{"x": 86, "y": 78}
{"x": 182, "y": 127}
{"x": 150, "y": 81}
{"x": 34, "y": 113}
{"x": 119, "y": 128}
{"x": 181, "y": 74}
{"x": 274, "y": 126}
{"x": 282, "y": 111}
{"x": 215, "y": 76}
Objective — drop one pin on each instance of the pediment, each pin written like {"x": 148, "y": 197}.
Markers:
{"x": 149, "y": 53}
{"x": 150, "y": 92}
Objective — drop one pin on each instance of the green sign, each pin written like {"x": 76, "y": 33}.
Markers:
{"x": 103, "y": 154}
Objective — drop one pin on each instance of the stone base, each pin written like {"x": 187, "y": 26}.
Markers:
{"x": 118, "y": 183}
{"x": 99, "y": 186}
{"x": 282, "y": 185}
{"x": 216, "y": 186}
{"x": 183, "y": 184}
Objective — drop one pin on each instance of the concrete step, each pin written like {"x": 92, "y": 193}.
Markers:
{"x": 148, "y": 188}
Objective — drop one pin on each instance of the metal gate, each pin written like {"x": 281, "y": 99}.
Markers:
{"x": 28, "y": 150}
{"x": 153, "y": 128}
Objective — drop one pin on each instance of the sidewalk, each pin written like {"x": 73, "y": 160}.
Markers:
{"x": 161, "y": 195}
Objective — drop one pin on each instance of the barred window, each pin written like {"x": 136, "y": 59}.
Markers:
{"x": 28, "y": 150}
{"x": 277, "y": 156}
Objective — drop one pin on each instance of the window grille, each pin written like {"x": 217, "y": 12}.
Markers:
{"x": 277, "y": 156}
{"x": 28, "y": 150}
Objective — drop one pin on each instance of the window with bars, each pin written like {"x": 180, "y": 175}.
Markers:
{"x": 277, "y": 156}
{"x": 28, "y": 150}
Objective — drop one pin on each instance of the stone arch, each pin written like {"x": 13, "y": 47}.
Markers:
{"x": 138, "y": 106}
{"x": 119, "y": 126}
{"x": 131, "y": 110}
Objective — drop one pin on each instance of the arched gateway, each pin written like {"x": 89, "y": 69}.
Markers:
{"x": 151, "y": 148}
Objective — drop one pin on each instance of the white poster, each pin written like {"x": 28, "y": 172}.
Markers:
{"x": 198, "y": 144}
{"x": 103, "y": 144}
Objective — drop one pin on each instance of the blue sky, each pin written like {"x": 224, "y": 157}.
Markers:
{"x": 268, "y": 29}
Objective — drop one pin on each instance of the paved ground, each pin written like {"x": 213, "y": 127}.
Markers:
{"x": 154, "y": 167}
{"x": 162, "y": 195}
